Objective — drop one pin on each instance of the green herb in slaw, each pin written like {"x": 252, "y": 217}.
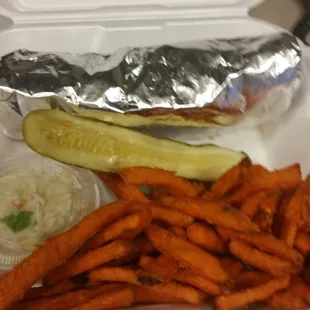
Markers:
{"x": 19, "y": 221}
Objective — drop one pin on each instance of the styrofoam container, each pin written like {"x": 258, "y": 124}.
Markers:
{"x": 103, "y": 26}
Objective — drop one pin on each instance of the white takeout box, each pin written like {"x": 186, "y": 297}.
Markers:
{"x": 102, "y": 26}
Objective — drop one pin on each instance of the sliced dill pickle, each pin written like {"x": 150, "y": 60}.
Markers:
{"x": 99, "y": 146}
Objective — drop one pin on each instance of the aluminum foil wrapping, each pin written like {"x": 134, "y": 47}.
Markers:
{"x": 201, "y": 84}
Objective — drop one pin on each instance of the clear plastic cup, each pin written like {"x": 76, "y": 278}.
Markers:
{"x": 92, "y": 192}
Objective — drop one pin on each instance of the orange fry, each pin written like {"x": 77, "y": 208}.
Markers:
{"x": 206, "y": 238}
{"x": 150, "y": 265}
{"x": 245, "y": 297}
{"x": 306, "y": 274}
{"x": 113, "y": 274}
{"x": 83, "y": 262}
{"x": 231, "y": 266}
{"x": 65, "y": 301}
{"x": 144, "y": 246}
{"x": 302, "y": 242}
{"x": 59, "y": 288}
{"x": 56, "y": 250}
{"x": 167, "y": 262}
{"x": 265, "y": 215}
{"x": 180, "y": 231}
{"x": 267, "y": 243}
{"x": 255, "y": 171}
{"x": 207, "y": 196}
{"x": 215, "y": 213}
{"x": 182, "y": 292}
{"x": 158, "y": 192}
{"x": 285, "y": 300}
{"x": 261, "y": 260}
{"x": 199, "y": 187}
{"x": 271, "y": 201}
{"x": 187, "y": 277}
{"x": 158, "y": 177}
{"x": 279, "y": 215}
{"x": 167, "y": 268}
{"x": 292, "y": 217}
{"x": 170, "y": 216}
{"x": 147, "y": 295}
{"x": 251, "y": 204}
{"x": 229, "y": 180}
{"x": 286, "y": 178}
{"x": 121, "y": 189}
{"x": 125, "y": 228}
{"x": 248, "y": 279}
{"x": 113, "y": 299}
{"x": 187, "y": 254}
{"x": 300, "y": 288}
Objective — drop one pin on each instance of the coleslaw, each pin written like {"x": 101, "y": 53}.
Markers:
{"x": 38, "y": 202}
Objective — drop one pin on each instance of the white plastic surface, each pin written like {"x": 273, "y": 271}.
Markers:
{"x": 30, "y": 11}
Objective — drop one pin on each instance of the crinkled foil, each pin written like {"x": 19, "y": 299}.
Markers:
{"x": 201, "y": 84}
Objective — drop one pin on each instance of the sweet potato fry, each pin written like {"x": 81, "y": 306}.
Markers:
{"x": 306, "y": 274}
{"x": 125, "y": 228}
{"x": 292, "y": 219}
{"x": 113, "y": 299}
{"x": 306, "y": 214}
{"x": 300, "y": 288}
{"x": 215, "y": 213}
{"x": 302, "y": 242}
{"x": 285, "y": 300}
{"x": 113, "y": 274}
{"x": 180, "y": 291}
{"x": 228, "y": 181}
{"x": 167, "y": 262}
{"x": 150, "y": 265}
{"x": 121, "y": 189}
{"x": 168, "y": 266}
{"x": 265, "y": 215}
{"x": 158, "y": 192}
{"x": 144, "y": 246}
{"x": 65, "y": 301}
{"x": 90, "y": 260}
{"x": 64, "y": 286}
{"x": 286, "y": 178}
{"x": 206, "y": 237}
{"x": 267, "y": 243}
{"x": 251, "y": 278}
{"x": 171, "y": 216}
{"x": 254, "y": 171}
{"x": 158, "y": 177}
{"x": 261, "y": 260}
{"x": 258, "y": 293}
{"x": 188, "y": 277}
{"x": 279, "y": 215}
{"x": 271, "y": 201}
{"x": 207, "y": 196}
{"x": 56, "y": 250}
{"x": 231, "y": 266}
{"x": 147, "y": 295}
{"x": 199, "y": 187}
{"x": 251, "y": 204}
{"x": 187, "y": 254}
{"x": 180, "y": 231}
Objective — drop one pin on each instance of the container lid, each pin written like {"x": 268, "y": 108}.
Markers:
{"x": 34, "y": 11}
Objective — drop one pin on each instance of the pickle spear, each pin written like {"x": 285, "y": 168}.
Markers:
{"x": 99, "y": 146}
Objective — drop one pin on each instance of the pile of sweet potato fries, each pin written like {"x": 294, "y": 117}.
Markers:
{"x": 240, "y": 240}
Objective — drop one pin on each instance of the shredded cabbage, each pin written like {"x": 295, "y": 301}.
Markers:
{"x": 54, "y": 196}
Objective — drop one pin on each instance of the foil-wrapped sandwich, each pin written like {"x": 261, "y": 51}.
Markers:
{"x": 243, "y": 81}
